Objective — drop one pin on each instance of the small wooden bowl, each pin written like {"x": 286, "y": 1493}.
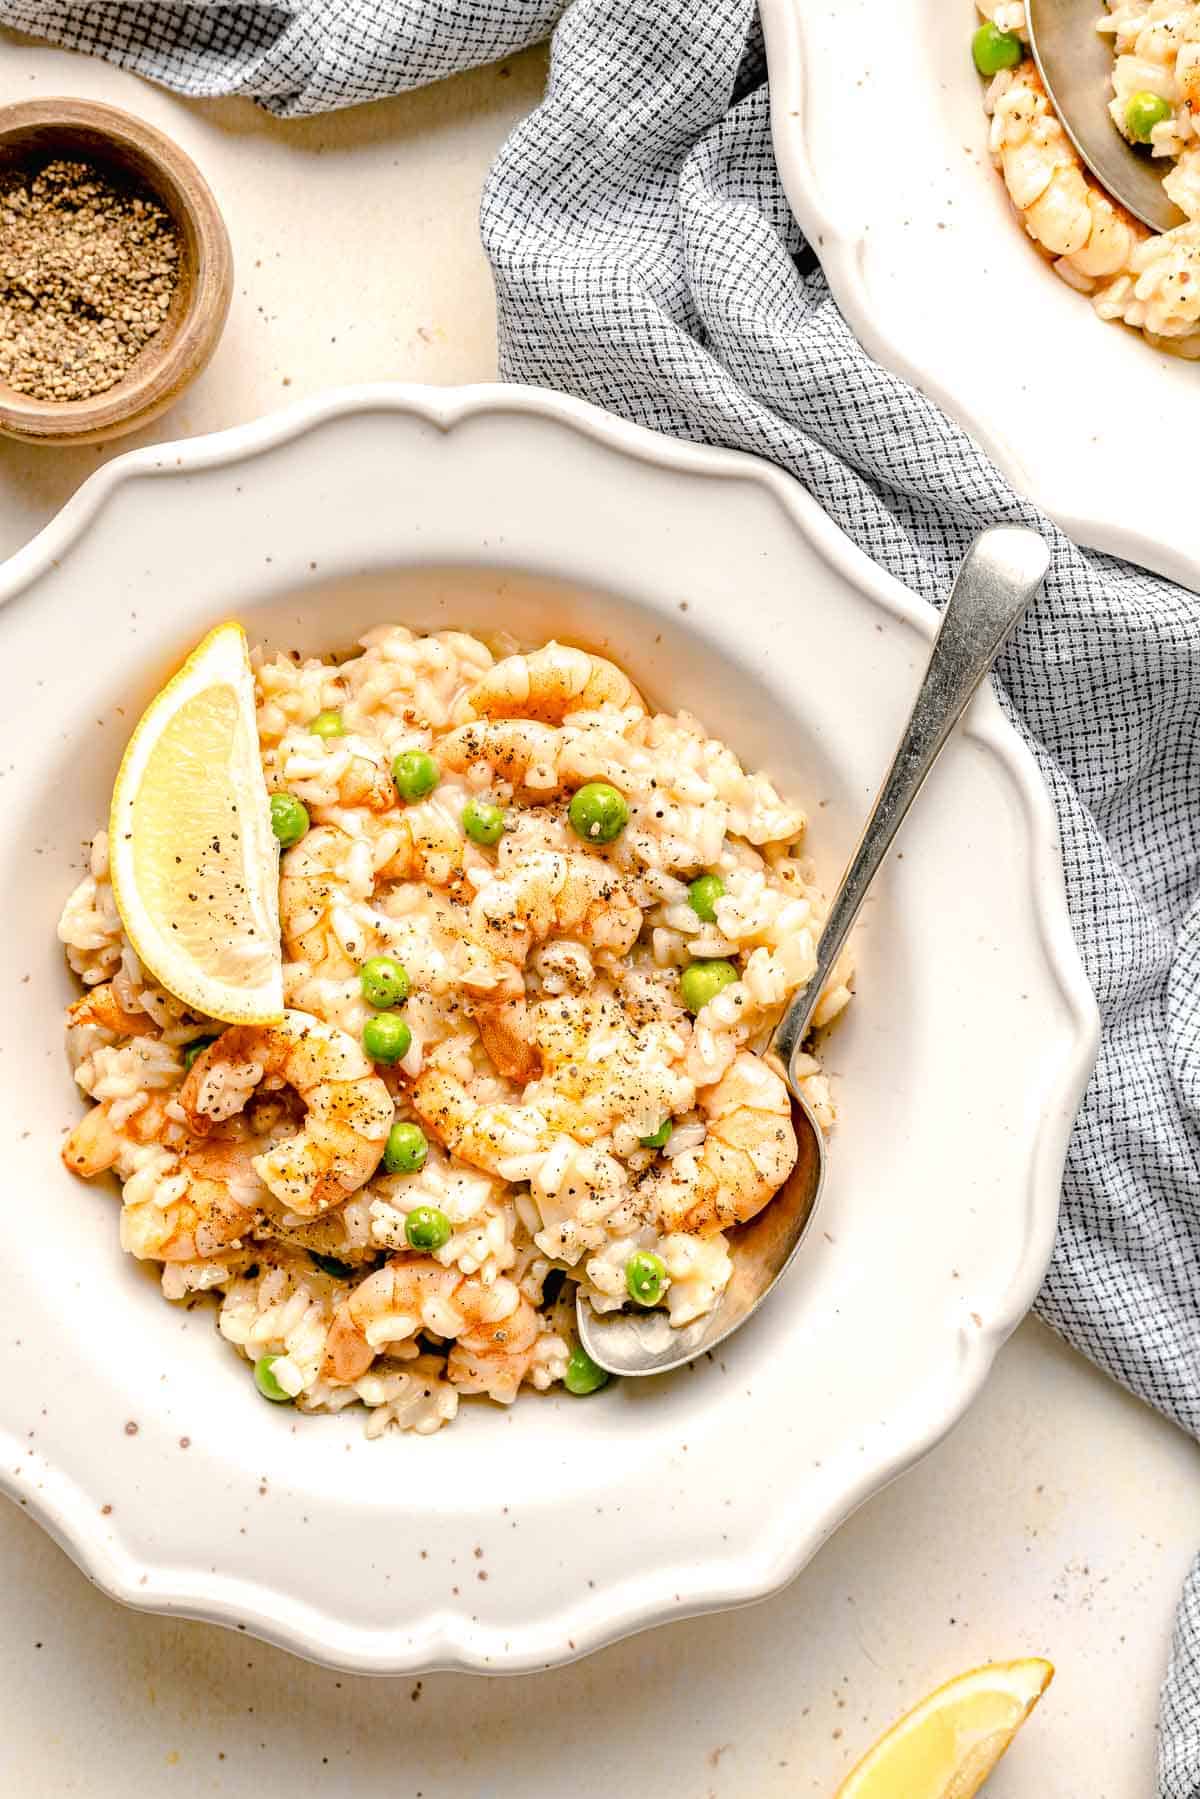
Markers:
{"x": 193, "y": 323}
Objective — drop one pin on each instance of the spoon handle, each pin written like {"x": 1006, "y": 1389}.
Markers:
{"x": 1000, "y": 574}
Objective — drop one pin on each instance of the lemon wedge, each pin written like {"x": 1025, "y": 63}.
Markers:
{"x": 193, "y": 858}
{"x": 948, "y": 1745}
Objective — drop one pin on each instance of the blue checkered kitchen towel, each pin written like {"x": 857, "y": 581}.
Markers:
{"x": 645, "y": 258}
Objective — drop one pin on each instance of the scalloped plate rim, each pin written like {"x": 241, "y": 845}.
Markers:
{"x": 440, "y": 1640}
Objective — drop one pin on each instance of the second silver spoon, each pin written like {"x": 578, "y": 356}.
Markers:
{"x": 1000, "y": 574}
{"x": 1076, "y": 63}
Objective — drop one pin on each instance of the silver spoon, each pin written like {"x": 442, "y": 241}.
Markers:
{"x": 1000, "y": 574}
{"x": 1075, "y": 62}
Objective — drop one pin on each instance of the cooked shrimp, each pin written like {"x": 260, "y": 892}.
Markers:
{"x": 320, "y": 880}
{"x": 494, "y": 1353}
{"x": 367, "y": 783}
{"x": 349, "y": 1110}
{"x": 544, "y": 893}
{"x": 506, "y": 1032}
{"x": 387, "y": 1307}
{"x": 520, "y": 750}
{"x": 1062, "y": 208}
{"x": 495, "y": 1136}
{"x": 101, "y": 1007}
{"x": 177, "y": 1207}
{"x": 329, "y": 877}
{"x": 550, "y": 684}
{"x": 429, "y": 848}
{"x": 220, "y": 1202}
{"x": 600, "y": 1074}
{"x": 98, "y": 1022}
{"x": 1149, "y": 282}
{"x": 96, "y": 1144}
{"x": 93, "y": 1145}
{"x": 494, "y": 1328}
{"x": 748, "y": 1152}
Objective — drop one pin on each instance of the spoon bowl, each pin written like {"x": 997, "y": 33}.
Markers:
{"x": 647, "y": 1343}
{"x": 999, "y": 576}
{"x": 1075, "y": 63}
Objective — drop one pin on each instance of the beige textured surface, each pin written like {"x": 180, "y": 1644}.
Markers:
{"x": 1059, "y": 1518}
{"x": 355, "y": 242}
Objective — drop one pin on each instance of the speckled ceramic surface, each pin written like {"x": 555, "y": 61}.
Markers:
{"x": 937, "y": 278}
{"x": 517, "y": 1539}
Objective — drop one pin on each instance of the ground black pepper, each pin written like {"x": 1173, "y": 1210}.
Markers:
{"x": 89, "y": 260}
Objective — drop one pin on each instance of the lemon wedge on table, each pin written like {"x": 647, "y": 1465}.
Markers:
{"x": 193, "y": 858}
{"x": 948, "y": 1745}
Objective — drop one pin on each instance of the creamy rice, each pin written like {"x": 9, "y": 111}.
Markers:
{"x": 549, "y": 1035}
{"x": 1146, "y": 280}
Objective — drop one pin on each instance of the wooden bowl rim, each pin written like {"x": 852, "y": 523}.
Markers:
{"x": 188, "y": 347}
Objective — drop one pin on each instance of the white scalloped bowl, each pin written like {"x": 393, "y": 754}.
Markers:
{"x": 881, "y": 140}
{"x": 522, "y": 1538}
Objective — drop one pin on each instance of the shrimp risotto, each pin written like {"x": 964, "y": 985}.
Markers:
{"x": 1147, "y": 280}
{"x": 533, "y": 934}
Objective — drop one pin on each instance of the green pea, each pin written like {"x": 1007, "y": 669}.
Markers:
{"x": 703, "y": 895}
{"x": 406, "y": 1149}
{"x": 415, "y": 773}
{"x": 384, "y": 982}
{"x": 661, "y": 1137}
{"x": 1143, "y": 113}
{"x": 266, "y": 1383}
{"x": 645, "y": 1278}
{"x": 427, "y": 1228}
{"x": 386, "y": 1037}
{"x": 598, "y": 813}
{"x": 483, "y": 822}
{"x": 702, "y": 981}
{"x": 327, "y": 724}
{"x": 583, "y": 1375}
{"x": 341, "y": 1271}
{"x": 289, "y": 819}
{"x": 994, "y": 49}
{"x": 196, "y": 1049}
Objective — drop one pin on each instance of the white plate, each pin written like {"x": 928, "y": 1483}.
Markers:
{"x": 718, "y": 583}
{"x": 881, "y": 140}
